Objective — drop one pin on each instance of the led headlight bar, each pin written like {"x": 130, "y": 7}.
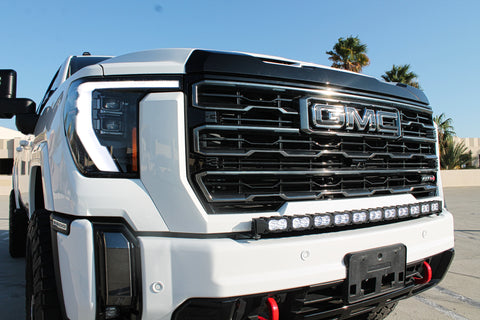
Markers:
{"x": 101, "y": 124}
{"x": 319, "y": 221}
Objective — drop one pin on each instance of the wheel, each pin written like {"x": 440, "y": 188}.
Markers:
{"x": 41, "y": 298}
{"x": 377, "y": 314}
{"x": 18, "y": 223}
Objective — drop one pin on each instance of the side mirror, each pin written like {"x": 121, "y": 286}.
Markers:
{"x": 10, "y": 105}
{"x": 26, "y": 122}
{"x": 8, "y": 84}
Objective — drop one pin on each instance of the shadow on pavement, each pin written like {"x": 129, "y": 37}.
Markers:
{"x": 12, "y": 282}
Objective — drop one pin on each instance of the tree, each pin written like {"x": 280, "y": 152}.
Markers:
{"x": 455, "y": 155}
{"x": 401, "y": 74}
{"x": 349, "y": 54}
{"x": 445, "y": 129}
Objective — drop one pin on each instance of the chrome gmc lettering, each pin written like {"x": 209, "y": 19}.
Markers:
{"x": 348, "y": 118}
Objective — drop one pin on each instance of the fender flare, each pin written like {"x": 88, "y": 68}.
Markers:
{"x": 40, "y": 162}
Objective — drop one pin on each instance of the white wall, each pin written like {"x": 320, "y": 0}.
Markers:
{"x": 472, "y": 144}
{"x": 461, "y": 178}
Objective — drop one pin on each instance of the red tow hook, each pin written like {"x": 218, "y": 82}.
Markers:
{"x": 427, "y": 274}
{"x": 274, "y": 312}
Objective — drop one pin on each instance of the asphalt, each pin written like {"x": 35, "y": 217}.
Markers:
{"x": 456, "y": 297}
{"x": 12, "y": 273}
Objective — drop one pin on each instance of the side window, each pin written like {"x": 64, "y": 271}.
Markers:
{"x": 48, "y": 93}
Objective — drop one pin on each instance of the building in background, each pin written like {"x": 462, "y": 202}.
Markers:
{"x": 473, "y": 145}
{"x": 9, "y": 141}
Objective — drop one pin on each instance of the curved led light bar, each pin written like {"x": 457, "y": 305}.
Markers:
{"x": 321, "y": 221}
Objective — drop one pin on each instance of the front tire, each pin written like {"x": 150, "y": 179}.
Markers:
{"x": 17, "y": 233}
{"x": 41, "y": 297}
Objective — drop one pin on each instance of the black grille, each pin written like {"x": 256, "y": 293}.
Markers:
{"x": 252, "y": 147}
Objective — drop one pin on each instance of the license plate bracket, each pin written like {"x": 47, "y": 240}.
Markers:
{"x": 374, "y": 272}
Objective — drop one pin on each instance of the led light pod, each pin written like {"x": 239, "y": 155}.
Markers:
{"x": 414, "y": 210}
{"x": 390, "y": 213}
{"x": 402, "y": 211}
{"x": 341, "y": 219}
{"x": 359, "y": 217}
{"x": 425, "y": 208}
{"x": 435, "y": 206}
{"x": 275, "y": 225}
{"x": 375, "y": 215}
{"x": 322, "y": 220}
{"x": 301, "y": 223}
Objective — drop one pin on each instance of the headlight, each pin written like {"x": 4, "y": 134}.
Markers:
{"x": 101, "y": 125}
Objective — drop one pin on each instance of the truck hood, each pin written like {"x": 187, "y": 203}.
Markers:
{"x": 192, "y": 61}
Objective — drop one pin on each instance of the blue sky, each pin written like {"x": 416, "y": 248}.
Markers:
{"x": 439, "y": 39}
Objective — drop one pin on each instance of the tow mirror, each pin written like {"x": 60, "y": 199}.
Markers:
{"x": 10, "y": 105}
{"x": 8, "y": 84}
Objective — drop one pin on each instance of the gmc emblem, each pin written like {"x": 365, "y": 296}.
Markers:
{"x": 345, "y": 118}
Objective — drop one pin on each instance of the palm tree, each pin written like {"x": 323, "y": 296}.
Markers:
{"x": 349, "y": 54}
{"x": 445, "y": 129}
{"x": 455, "y": 155}
{"x": 401, "y": 74}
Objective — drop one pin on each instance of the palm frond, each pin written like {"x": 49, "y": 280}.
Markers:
{"x": 349, "y": 54}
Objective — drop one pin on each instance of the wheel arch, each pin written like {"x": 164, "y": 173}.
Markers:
{"x": 41, "y": 195}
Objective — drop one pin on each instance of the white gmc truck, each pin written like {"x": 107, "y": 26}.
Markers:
{"x": 192, "y": 184}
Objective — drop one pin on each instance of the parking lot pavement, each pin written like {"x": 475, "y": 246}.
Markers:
{"x": 12, "y": 273}
{"x": 456, "y": 297}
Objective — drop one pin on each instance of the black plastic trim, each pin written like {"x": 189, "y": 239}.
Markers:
{"x": 201, "y": 61}
{"x": 165, "y": 234}
{"x": 186, "y": 235}
{"x": 56, "y": 267}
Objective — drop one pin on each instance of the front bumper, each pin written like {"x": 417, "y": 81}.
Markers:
{"x": 219, "y": 268}
{"x": 321, "y": 301}
{"x": 178, "y": 270}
